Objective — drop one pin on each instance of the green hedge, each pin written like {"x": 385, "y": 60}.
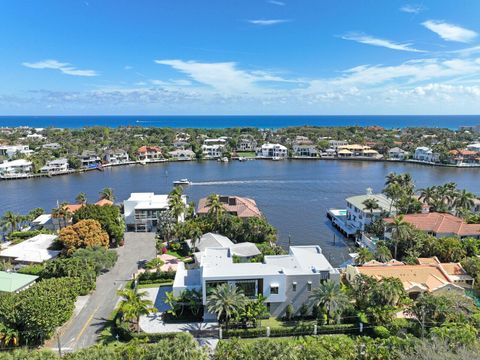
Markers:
{"x": 155, "y": 277}
{"x": 291, "y": 331}
{"x": 19, "y": 236}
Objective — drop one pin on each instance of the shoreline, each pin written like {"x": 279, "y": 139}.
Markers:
{"x": 133, "y": 163}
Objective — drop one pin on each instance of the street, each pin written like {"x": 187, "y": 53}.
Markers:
{"x": 83, "y": 330}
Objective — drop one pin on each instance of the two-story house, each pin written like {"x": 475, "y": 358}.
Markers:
{"x": 272, "y": 151}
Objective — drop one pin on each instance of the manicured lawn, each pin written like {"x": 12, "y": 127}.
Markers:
{"x": 246, "y": 154}
{"x": 178, "y": 254}
{"x": 155, "y": 285}
{"x": 276, "y": 323}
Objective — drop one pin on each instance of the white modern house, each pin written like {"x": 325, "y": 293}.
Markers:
{"x": 89, "y": 159}
{"x": 182, "y": 154}
{"x": 305, "y": 150}
{"x": 335, "y": 144}
{"x": 16, "y": 167}
{"x": 55, "y": 166}
{"x": 116, "y": 156}
{"x": 397, "y": 154}
{"x": 213, "y": 151}
{"x": 272, "y": 151}
{"x": 31, "y": 251}
{"x": 246, "y": 143}
{"x": 282, "y": 279}
{"x": 215, "y": 141}
{"x": 426, "y": 154}
{"x": 10, "y": 150}
{"x": 141, "y": 211}
{"x": 52, "y": 146}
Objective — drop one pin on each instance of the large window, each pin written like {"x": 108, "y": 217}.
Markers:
{"x": 210, "y": 285}
{"x": 249, "y": 287}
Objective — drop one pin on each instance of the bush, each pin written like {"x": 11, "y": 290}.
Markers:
{"x": 381, "y": 332}
{"x": 18, "y": 236}
{"x": 101, "y": 258}
{"x": 291, "y": 331}
{"x": 85, "y": 233}
{"x": 155, "y": 263}
{"x": 35, "y": 269}
{"x": 148, "y": 277}
{"x": 289, "y": 312}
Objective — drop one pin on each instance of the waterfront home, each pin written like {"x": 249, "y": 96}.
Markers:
{"x": 149, "y": 153}
{"x": 246, "y": 143}
{"x": 9, "y": 151}
{"x": 358, "y": 151}
{"x": 32, "y": 251}
{"x": 354, "y": 219}
{"x": 397, "y": 153}
{"x": 305, "y": 150}
{"x": 282, "y": 279}
{"x": 464, "y": 157}
{"x": 429, "y": 275}
{"x": 440, "y": 225}
{"x": 330, "y": 153}
{"x": 141, "y": 211}
{"x": 243, "y": 251}
{"x": 474, "y": 147}
{"x": 213, "y": 151}
{"x": 426, "y": 154}
{"x": 89, "y": 159}
{"x": 52, "y": 146}
{"x": 234, "y": 205}
{"x": 182, "y": 136}
{"x": 16, "y": 167}
{"x": 116, "y": 156}
{"x": 272, "y": 151}
{"x": 181, "y": 144}
{"x": 181, "y": 154}
{"x": 43, "y": 221}
{"x": 335, "y": 144}
{"x": 11, "y": 282}
{"x": 55, "y": 166}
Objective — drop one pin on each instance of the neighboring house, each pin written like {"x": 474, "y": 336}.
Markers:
{"x": 359, "y": 217}
{"x": 35, "y": 137}
{"x": 10, "y": 150}
{"x": 474, "y": 147}
{"x": 335, "y": 144}
{"x": 149, "y": 153}
{"x": 356, "y": 150}
{"x": 182, "y": 154}
{"x": 441, "y": 225}
{"x": 270, "y": 151}
{"x": 55, "y": 166}
{"x": 397, "y": 154}
{"x": 305, "y": 150}
{"x": 31, "y": 251}
{"x": 246, "y": 143}
{"x": 429, "y": 275}
{"x": 234, "y": 205}
{"x": 141, "y": 211}
{"x": 43, "y": 221}
{"x": 282, "y": 279}
{"x": 460, "y": 157}
{"x": 213, "y": 151}
{"x": 116, "y": 156}
{"x": 11, "y": 282}
{"x": 244, "y": 251}
{"x": 426, "y": 154}
{"x": 89, "y": 159}
{"x": 20, "y": 166}
{"x": 52, "y": 146}
{"x": 181, "y": 144}
{"x": 216, "y": 141}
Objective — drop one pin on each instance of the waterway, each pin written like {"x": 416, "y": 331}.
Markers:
{"x": 293, "y": 194}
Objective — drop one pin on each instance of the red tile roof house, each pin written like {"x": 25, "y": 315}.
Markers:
{"x": 235, "y": 205}
{"x": 441, "y": 225}
{"x": 72, "y": 208}
{"x": 464, "y": 156}
{"x": 149, "y": 153}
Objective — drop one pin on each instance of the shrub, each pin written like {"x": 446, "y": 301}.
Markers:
{"x": 85, "y": 233}
{"x": 289, "y": 312}
{"x": 155, "y": 263}
{"x": 381, "y": 332}
{"x": 303, "y": 311}
{"x": 18, "y": 236}
{"x": 101, "y": 258}
{"x": 34, "y": 269}
{"x": 148, "y": 277}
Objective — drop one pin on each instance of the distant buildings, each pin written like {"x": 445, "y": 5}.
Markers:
{"x": 116, "y": 156}
{"x": 246, "y": 143}
{"x": 52, "y": 146}
{"x": 149, "y": 153}
{"x": 304, "y": 148}
{"x": 234, "y": 205}
{"x": 426, "y": 154}
{"x": 141, "y": 211}
{"x": 282, "y": 279}
{"x": 89, "y": 159}
{"x": 15, "y": 167}
{"x": 182, "y": 154}
{"x": 11, "y": 282}
{"x": 357, "y": 151}
{"x": 397, "y": 154}
{"x": 428, "y": 276}
{"x": 9, "y": 151}
{"x": 272, "y": 151}
{"x": 214, "y": 151}
{"x": 55, "y": 166}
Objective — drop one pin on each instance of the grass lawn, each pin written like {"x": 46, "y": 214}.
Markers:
{"x": 246, "y": 154}
{"x": 273, "y": 322}
{"x": 177, "y": 254}
{"x": 155, "y": 285}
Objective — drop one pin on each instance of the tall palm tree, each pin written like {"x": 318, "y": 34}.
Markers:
{"x": 81, "y": 198}
{"x": 394, "y": 192}
{"x": 364, "y": 255}
{"x": 464, "y": 200}
{"x": 226, "y": 301}
{"x": 392, "y": 178}
{"x": 401, "y": 230}
{"x": 428, "y": 194}
{"x": 392, "y": 291}
{"x": 195, "y": 233}
{"x": 382, "y": 253}
{"x": 133, "y": 305}
{"x": 371, "y": 205}
{"x": 12, "y": 220}
{"x": 331, "y": 297}
{"x": 176, "y": 204}
{"x": 215, "y": 207}
{"x": 107, "y": 194}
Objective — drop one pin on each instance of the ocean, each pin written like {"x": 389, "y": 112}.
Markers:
{"x": 225, "y": 121}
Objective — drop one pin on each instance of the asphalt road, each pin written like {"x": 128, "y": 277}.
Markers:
{"x": 83, "y": 330}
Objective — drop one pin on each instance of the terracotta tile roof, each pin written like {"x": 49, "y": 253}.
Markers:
{"x": 454, "y": 269}
{"x": 74, "y": 207}
{"x": 441, "y": 223}
{"x": 463, "y": 152}
{"x": 104, "y": 202}
{"x": 239, "y": 206}
{"x": 144, "y": 149}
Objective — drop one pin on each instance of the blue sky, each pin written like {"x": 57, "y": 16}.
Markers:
{"x": 239, "y": 57}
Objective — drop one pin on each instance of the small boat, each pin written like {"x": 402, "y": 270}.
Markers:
{"x": 276, "y": 158}
{"x": 182, "y": 182}
{"x": 223, "y": 159}
{"x": 241, "y": 158}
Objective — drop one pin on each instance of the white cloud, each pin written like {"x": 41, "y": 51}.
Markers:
{"x": 369, "y": 40}
{"x": 268, "y": 22}
{"x": 450, "y": 32}
{"x": 275, "y": 2}
{"x": 127, "y": 67}
{"x": 65, "y": 68}
{"x": 412, "y": 8}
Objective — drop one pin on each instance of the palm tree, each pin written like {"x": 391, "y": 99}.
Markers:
{"x": 331, "y": 297}
{"x": 81, "y": 198}
{"x": 364, "y": 255}
{"x": 392, "y": 291}
{"x": 12, "y": 220}
{"x": 133, "y": 305}
{"x": 401, "y": 230}
{"x": 392, "y": 178}
{"x": 382, "y": 253}
{"x": 195, "y": 233}
{"x": 107, "y": 194}
{"x": 464, "y": 200}
{"x": 428, "y": 194}
{"x": 216, "y": 208}
{"x": 226, "y": 301}
{"x": 176, "y": 204}
{"x": 370, "y": 205}
{"x": 394, "y": 192}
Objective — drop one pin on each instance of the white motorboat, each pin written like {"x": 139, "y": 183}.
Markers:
{"x": 182, "y": 182}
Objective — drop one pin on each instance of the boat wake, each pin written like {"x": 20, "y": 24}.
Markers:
{"x": 240, "y": 182}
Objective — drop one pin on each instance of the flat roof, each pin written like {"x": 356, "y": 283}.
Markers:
{"x": 383, "y": 202}
{"x": 34, "y": 249}
{"x": 12, "y": 282}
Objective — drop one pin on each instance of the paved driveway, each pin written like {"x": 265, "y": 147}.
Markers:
{"x": 154, "y": 323}
{"x": 83, "y": 330}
